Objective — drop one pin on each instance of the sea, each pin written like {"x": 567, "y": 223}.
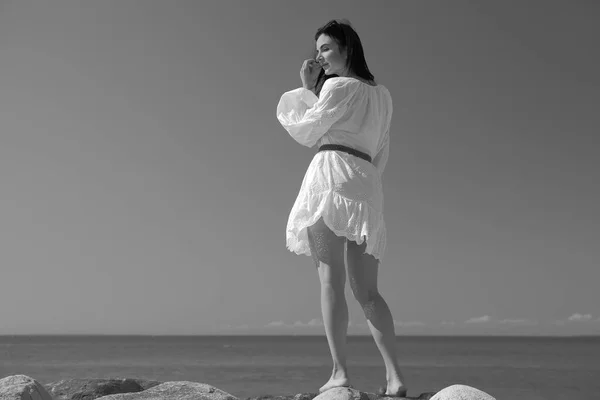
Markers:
{"x": 555, "y": 368}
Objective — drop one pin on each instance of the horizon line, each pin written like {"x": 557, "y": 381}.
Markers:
{"x": 290, "y": 335}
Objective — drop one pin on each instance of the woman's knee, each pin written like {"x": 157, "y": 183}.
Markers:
{"x": 362, "y": 269}
{"x": 364, "y": 295}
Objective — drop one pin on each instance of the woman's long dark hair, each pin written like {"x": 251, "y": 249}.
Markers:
{"x": 347, "y": 39}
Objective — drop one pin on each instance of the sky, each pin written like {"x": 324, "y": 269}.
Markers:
{"x": 145, "y": 181}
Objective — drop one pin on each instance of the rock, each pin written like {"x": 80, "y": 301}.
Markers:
{"x": 147, "y": 384}
{"x": 340, "y": 394}
{"x": 299, "y": 396}
{"x": 461, "y": 392}
{"x": 423, "y": 396}
{"x": 179, "y": 390}
{"x": 90, "y": 389}
{"x": 343, "y": 393}
{"x": 22, "y": 387}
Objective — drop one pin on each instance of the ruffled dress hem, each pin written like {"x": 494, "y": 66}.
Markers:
{"x": 355, "y": 220}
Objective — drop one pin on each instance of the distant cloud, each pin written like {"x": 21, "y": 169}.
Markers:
{"x": 576, "y": 318}
{"x": 275, "y": 324}
{"x": 478, "y": 320}
{"x": 448, "y": 323}
{"x": 506, "y": 321}
{"x": 312, "y": 322}
{"x": 298, "y": 324}
{"x": 241, "y": 327}
{"x": 408, "y": 323}
{"x": 517, "y": 321}
{"x": 580, "y": 317}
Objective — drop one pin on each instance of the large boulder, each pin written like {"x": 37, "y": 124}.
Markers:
{"x": 178, "y": 390}
{"x": 461, "y": 392}
{"x": 22, "y": 387}
{"x": 91, "y": 389}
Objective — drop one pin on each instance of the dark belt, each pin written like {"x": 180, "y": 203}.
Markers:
{"x": 346, "y": 149}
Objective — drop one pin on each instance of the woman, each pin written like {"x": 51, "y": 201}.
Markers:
{"x": 339, "y": 208}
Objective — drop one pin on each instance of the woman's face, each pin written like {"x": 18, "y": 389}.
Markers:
{"x": 328, "y": 55}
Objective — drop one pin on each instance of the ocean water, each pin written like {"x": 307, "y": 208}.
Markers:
{"x": 506, "y": 367}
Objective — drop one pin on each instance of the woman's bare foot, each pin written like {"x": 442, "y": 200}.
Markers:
{"x": 394, "y": 388}
{"x": 396, "y": 392}
{"x": 340, "y": 381}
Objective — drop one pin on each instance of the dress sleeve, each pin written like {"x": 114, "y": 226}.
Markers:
{"x": 381, "y": 157}
{"x": 307, "y": 117}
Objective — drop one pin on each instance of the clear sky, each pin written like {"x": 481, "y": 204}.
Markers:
{"x": 145, "y": 182}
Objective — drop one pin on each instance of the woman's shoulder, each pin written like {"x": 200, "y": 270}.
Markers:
{"x": 336, "y": 81}
{"x": 349, "y": 85}
{"x": 339, "y": 84}
{"x": 342, "y": 81}
{"x": 351, "y": 80}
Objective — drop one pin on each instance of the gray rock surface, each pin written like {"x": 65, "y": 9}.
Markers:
{"x": 178, "y": 390}
{"x": 299, "y": 396}
{"x": 22, "y": 387}
{"x": 91, "y": 389}
{"x": 343, "y": 393}
{"x": 461, "y": 392}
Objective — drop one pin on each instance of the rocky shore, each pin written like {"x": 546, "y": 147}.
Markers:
{"x": 22, "y": 387}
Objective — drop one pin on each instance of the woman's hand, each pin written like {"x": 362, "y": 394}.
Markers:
{"x": 309, "y": 73}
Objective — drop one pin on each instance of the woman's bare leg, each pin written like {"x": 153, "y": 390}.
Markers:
{"x": 362, "y": 271}
{"x": 327, "y": 251}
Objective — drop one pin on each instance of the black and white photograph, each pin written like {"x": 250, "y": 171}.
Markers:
{"x": 299, "y": 200}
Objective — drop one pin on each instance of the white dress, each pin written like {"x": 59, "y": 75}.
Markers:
{"x": 343, "y": 189}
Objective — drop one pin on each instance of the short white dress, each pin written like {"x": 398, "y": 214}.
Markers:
{"x": 343, "y": 189}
